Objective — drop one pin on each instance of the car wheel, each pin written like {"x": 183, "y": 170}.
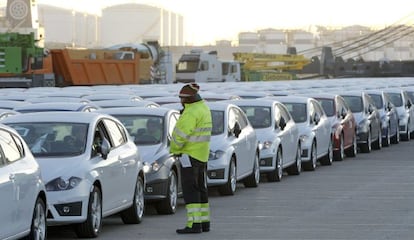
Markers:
{"x": 254, "y": 178}
{"x": 387, "y": 140}
{"x": 38, "y": 227}
{"x": 339, "y": 154}
{"x": 396, "y": 138}
{"x": 378, "y": 142}
{"x": 133, "y": 214}
{"x": 328, "y": 158}
{"x": 311, "y": 164}
{"x": 230, "y": 187}
{"x": 296, "y": 168}
{"x": 406, "y": 136}
{"x": 169, "y": 204}
{"x": 92, "y": 226}
{"x": 353, "y": 150}
{"x": 366, "y": 147}
{"x": 276, "y": 175}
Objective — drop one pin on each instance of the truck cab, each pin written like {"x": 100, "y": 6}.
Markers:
{"x": 200, "y": 66}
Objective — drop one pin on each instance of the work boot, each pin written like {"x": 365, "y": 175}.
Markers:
{"x": 196, "y": 228}
{"x": 205, "y": 226}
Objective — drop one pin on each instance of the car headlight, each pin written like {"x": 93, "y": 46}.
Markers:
{"x": 266, "y": 144}
{"x": 63, "y": 184}
{"x": 154, "y": 167}
{"x": 216, "y": 155}
{"x": 363, "y": 126}
{"x": 303, "y": 138}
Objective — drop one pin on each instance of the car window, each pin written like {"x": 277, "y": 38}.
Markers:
{"x": 328, "y": 106}
{"x": 217, "y": 118}
{"x": 11, "y": 150}
{"x": 53, "y": 138}
{"x": 258, "y": 116}
{"x": 298, "y": 111}
{"x": 354, "y": 103}
{"x": 115, "y": 133}
{"x": 396, "y": 99}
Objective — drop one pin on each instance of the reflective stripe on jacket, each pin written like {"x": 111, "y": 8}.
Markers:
{"x": 192, "y": 132}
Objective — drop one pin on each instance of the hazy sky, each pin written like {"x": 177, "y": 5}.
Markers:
{"x": 210, "y": 20}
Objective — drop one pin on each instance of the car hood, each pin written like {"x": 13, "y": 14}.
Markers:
{"x": 150, "y": 153}
{"x": 358, "y": 117}
{"x": 54, "y": 167}
{"x": 264, "y": 134}
{"x": 219, "y": 142}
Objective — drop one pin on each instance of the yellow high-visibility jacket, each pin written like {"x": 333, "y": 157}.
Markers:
{"x": 192, "y": 132}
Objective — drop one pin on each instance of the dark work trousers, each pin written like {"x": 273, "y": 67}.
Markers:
{"x": 194, "y": 182}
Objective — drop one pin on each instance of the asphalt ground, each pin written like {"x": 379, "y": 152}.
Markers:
{"x": 369, "y": 197}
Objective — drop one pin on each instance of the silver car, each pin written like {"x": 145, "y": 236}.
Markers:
{"x": 90, "y": 165}
{"x": 315, "y": 130}
{"x": 234, "y": 149}
{"x": 23, "y": 195}
{"x": 151, "y": 129}
{"x": 405, "y": 109}
{"x": 278, "y": 136}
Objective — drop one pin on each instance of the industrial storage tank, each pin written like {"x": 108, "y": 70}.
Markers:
{"x": 135, "y": 23}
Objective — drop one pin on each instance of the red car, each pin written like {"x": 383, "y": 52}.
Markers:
{"x": 343, "y": 124}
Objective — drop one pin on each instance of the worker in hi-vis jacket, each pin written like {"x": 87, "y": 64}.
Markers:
{"x": 191, "y": 143}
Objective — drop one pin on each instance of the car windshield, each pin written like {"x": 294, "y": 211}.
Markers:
{"x": 218, "y": 122}
{"x": 328, "y": 106}
{"x": 354, "y": 103}
{"x": 396, "y": 99}
{"x": 377, "y": 100}
{"x": 258, "y": 116}
{"x": 298, "y": 111}
{"x": 53, "y": 138}
{"x": 145, "y": 129}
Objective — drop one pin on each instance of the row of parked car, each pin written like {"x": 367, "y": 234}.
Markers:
{"x": 74, "y": 155}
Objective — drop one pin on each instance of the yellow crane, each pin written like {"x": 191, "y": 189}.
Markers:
{"x": 267, "y": 67}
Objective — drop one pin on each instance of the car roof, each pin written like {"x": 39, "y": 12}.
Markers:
{"x": 292, "y": 99}
{"x": 160, "y": 111}
{"x": 254, "y": 102}
{"x": 76, "y": 117}
{"x": 55, "y": 106}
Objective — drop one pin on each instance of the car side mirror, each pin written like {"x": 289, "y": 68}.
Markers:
{"x": 236, "y": 130}
{"x": 409, "y": 104}
{"x": 316, "y": 118}
{"x": 282, "y": 123}
{"x": 343, "y": 113}
{"x": 105, "y": 148}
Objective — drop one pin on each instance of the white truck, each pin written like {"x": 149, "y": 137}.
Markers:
{"x": 201, "y": 66}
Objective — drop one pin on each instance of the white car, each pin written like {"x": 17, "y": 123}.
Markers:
{"x": 315, "y": 130}
{"x": 234, "y": 149}
{"x": 405, "y": 109}
{"x": 90, "y": 165}
{"x": 23, "y": 195}
{"x": 278, "y": 136}
{"x": 151, "y": 129}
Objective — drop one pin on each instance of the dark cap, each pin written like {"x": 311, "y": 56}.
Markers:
{"x": 189, "y": 90}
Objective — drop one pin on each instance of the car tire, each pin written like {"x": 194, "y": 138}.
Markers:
{"x": 134, "y": 214}
{"x": 386, "y": 142}
{"x": 38, "y": 229}
{"x": 296, "y": 168}
{"x": 93, "y": 224}
{"x": 367, "y": 146}
{"x": 396, "y": 138}
{"x": 339, "y": 154}
{"x": 353, "y": 150}
{"x": 328, "y": 158}
{"x": 229, "y": 188}
{"x": 169, "y": 204}
{"x": 253, "y": 179}
{"x": 311, "y": 164}
{"x": 276, "y": 175}
{"x": 378, "y": 143}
